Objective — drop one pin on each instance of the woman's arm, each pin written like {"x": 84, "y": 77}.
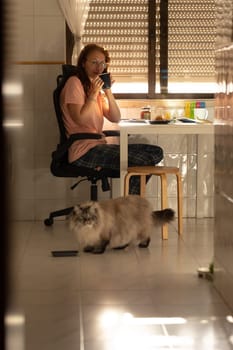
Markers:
{"x": 111, "y": 109}
{"x": 82, "y": 113}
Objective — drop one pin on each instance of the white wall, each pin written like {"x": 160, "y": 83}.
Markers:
{"x": 40, "y": 39}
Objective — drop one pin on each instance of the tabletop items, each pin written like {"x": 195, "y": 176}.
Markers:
{"x": 191, "y": 112}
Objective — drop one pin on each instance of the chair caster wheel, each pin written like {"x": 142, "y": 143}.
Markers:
{"x": 48, "y": 222}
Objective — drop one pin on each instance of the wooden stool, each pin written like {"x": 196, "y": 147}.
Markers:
{"x": 162, "y": 172}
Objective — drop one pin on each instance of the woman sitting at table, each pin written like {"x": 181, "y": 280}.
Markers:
{"x": 84, "y": 105}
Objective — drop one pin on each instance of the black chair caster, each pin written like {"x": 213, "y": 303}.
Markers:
{"x": 48, "y": 222}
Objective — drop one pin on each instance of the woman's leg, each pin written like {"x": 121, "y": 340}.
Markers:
{"x": 108, "y": 156}
{"x": 105, "y": 156}
{"x": 142, "y": 154}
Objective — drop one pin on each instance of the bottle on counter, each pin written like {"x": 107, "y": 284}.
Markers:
{"x": 146, "y": 113}
{"x": 187, "y": 108}
{"x": 192, "y": 106}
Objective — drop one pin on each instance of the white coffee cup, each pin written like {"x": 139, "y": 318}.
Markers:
{"x": 200, "y": 113}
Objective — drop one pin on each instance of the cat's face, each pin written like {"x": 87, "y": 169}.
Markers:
{"x": 85, "y": 214}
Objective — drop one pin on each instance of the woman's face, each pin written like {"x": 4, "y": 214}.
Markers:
{"x": 95, "y": 64}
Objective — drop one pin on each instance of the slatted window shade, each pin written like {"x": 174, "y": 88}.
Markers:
{"x": 122, "y": 28}
{"x": 191, "y": 42}
{"x": 159, "y": 52}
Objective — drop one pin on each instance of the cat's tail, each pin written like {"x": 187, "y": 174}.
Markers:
{"x": 164, "y": 216}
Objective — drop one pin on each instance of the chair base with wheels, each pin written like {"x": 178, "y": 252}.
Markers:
{"x": 162, "y": 172}
{"x": 93, "y": 177}
{"x": 62, "y": 212}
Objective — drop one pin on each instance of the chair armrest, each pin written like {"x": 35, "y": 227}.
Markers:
{"x": 63, "y": 148}
{"x": 83, "y": 136}
{"x": 108, "y": 133}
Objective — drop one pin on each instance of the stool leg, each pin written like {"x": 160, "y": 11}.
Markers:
{"x": 163, "y": 178}
{"x": 179, "y": 204}
{"x": 126, "y": 184}
{"x": 142, "y": 185}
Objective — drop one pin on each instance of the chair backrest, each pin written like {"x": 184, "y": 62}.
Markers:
{"x": 67, "y": 72}
{"x": 59, "y": 164}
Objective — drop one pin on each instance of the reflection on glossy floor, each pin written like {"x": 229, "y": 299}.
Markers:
{"x": 139, "y": 299}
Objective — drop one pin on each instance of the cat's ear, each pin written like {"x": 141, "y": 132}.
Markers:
{"x": 76, "y": 209}
{"x": 95, "y": 206}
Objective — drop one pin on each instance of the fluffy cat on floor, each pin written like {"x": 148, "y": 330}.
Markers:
{"x": 116, "y": 222}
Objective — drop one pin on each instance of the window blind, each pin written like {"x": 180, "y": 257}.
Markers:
{"x": 191, "y": 41}
{"x": 122, "y": 28}
{"x": 167, "y": 49}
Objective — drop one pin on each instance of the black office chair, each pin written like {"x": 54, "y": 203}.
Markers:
{"x": 61, "y": 167}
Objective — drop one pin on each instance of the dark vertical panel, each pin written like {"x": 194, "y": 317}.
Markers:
{"x": 164, "y": 46}
{"x": 69, "y": 45}
{"x": 151, "y": 47}
{"x": 3, "y": 267}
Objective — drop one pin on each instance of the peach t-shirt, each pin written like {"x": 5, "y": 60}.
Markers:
{"x": 73, "y": 92}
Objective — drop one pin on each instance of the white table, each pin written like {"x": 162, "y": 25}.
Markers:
{"x": 199, "y": 129}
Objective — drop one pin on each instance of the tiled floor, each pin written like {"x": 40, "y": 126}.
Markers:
{"x": 140, "y": 299}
